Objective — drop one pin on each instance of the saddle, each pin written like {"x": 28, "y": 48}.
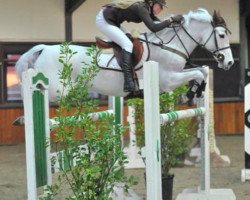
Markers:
{"x": 137, "y": 49}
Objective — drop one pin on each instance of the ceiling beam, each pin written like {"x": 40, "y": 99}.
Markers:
{"x": 244, "y": 7}
{"x": 72, "y": 5}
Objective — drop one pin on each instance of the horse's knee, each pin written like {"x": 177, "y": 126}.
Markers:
{"x": 204, "y": 70}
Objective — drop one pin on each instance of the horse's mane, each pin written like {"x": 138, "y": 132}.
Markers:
{"x": 200, "y": 14}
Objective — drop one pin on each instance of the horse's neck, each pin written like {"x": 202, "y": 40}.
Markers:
{"x": 183, "y": 42}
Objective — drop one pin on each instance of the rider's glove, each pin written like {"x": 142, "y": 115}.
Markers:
{"x": 177, "y": 19}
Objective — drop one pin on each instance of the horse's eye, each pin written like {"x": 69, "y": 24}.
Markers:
{"x": 222, "y": 35}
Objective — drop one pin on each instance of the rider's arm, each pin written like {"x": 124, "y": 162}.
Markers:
{"x": 154, "y": 18}
{"x": 144, "y": 14}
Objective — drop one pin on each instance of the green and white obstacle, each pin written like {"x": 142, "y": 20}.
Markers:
{"x": 37, "y": 131}
{"x": 245, "y": 173}
{"x": 153, "y": 120}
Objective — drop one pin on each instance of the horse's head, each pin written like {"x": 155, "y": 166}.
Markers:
{"x": 218, "y": 42}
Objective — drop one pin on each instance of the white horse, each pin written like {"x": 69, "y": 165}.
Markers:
{"x": 169, "y": 47}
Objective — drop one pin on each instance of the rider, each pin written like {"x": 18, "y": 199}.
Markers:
{"x": 112, "y": 15}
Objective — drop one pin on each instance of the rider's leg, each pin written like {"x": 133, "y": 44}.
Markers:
{"x": 119, "y": 37}
{"x": 129, "y": 85}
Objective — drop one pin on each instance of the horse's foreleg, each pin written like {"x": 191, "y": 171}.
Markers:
{"x": 198, "y": 87}
{"x": 173, "y": 80}
{"x": 178, "y": 78}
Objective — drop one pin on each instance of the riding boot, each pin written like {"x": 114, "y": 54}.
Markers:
{"x": 129, "y": 85}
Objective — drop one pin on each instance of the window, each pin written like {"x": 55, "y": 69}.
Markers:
{"x": 10, "y": 89}
{"x": 12, "y": 81}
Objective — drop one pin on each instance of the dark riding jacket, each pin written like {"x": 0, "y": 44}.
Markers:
{"x": 137, "y": 12}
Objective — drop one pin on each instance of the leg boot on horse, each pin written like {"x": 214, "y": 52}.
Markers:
{"x": 129, "y": 84}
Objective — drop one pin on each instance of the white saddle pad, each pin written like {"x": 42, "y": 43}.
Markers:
{"x": 105, "y": 57}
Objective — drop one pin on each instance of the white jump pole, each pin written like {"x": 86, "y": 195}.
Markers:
{"x": 35, "y": 91}
{"x": 152, "y": 130}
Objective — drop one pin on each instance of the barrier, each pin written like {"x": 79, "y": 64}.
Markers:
{"x": 37, "y": 131}
{"x": 153, "y": 120}
{"x": 245, "y": 173}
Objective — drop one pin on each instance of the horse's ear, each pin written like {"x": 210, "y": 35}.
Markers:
{"x": 218, "y": 13}
{"x": 214, "y": 13}
{"x": 216, "y": 17}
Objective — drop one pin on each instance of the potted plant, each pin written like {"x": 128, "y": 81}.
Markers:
{"x": 90, "y": 155}
{"x": 175, "y": 136}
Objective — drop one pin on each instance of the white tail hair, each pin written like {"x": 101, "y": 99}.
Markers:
{"x": 28, "y": 59}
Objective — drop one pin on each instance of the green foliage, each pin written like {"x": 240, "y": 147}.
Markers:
{"x": 91, "y": 150}
{"x": 175, "y": 136}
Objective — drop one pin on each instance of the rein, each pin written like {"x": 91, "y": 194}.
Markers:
{"x": 162, "y": 45}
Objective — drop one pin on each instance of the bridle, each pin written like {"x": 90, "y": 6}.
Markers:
{"x": 219, "y": 56}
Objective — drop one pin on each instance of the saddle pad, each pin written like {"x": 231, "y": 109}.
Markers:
{"x": 108, "y": 61}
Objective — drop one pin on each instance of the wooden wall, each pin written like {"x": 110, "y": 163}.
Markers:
{"x": 229, "y": 119}
{"x": 10, "y": 134}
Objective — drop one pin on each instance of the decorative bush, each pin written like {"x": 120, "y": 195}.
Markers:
{"x": 92, "y": 151}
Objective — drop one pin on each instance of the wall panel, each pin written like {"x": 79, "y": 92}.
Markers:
{"x": 84, "y": 28}
{"x": 32, "y": 20}
{"x": 229, "y": 119}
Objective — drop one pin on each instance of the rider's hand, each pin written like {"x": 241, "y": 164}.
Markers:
{"x": 177, "y": 19}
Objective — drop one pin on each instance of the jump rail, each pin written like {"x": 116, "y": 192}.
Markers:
{"x": 153, "y": 119}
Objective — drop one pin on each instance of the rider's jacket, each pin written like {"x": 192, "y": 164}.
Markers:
{"x": 137, "y": 12}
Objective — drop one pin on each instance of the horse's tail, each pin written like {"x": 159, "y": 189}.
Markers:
{"x": 28, "y": 59}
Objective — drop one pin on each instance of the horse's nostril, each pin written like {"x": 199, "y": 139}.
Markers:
{"x": 230, "y": 63}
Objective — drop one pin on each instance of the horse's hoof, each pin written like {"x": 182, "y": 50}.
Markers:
{"x": 135, "y": 94}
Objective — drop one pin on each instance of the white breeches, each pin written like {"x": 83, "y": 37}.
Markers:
{"x": 113, "y": 32}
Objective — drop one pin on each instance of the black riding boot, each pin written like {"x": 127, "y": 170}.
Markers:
{"x": 129, "y": 85}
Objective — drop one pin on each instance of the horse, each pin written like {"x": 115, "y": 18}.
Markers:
{"x": 170, "y": 47}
